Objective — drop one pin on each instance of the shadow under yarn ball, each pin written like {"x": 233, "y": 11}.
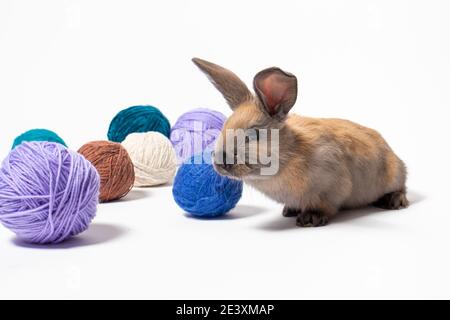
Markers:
{"x": 38, "y": 135}
{"x": 138, "y": 119}
{"x": 114, "y": 166}
{"x": 48, "y": 193}
{"x": 153, "y": 157}
{"x": 196, "y": 131}
{"x": 202, "y": 192}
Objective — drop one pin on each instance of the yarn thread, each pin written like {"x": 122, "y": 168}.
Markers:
{"x": 196, "y": 131}
{"x": 138, "y": 119}
{"x": 153, "y": 157}
{"x": 38, "y": 135}
{"x": 202, "y": 192}
{"x": 114, "y": 166}
{"x": 47, "y": 192}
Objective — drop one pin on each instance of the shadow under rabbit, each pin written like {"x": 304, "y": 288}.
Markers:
{"x": 281, "y": 223}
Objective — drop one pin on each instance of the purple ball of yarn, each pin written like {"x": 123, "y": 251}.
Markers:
{"x": 48, "y": 193}
{"x": 196, "y": 131}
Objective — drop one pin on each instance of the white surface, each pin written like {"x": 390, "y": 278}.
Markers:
{"x": 71, "y": 65}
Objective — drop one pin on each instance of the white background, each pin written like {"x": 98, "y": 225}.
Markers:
{"x": 70, "y": 66}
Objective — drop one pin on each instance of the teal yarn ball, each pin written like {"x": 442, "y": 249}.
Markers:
{"x": 38, "y": 135}
{"x": 138, "y": 119}
{"x": 202, "y": 192}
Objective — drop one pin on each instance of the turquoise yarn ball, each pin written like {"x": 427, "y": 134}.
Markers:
{"x": 38, "y": 135}
{"x": 138, "y": 119}
{"x": 202, "y": 192}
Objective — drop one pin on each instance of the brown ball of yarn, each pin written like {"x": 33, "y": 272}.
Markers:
{"x": 114, "y": 166}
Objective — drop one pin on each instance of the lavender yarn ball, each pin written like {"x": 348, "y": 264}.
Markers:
{"x": 48, "y": 193}
{"x": 196, "y": 131}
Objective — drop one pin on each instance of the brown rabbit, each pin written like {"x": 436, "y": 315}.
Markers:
{"x": 324, "y": 164}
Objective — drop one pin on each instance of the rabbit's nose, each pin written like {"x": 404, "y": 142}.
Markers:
{"x": 228, "y": 161}
{"x": 225, "y": 163}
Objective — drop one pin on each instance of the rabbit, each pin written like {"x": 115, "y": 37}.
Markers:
{"x": 324, "y": 164}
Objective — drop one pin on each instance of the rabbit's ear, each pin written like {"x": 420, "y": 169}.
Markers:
{"x": 276, "y": 90}
{"x": 232, "y": 88}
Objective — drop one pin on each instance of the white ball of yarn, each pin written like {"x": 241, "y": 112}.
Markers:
{"x": 153, "y": 156}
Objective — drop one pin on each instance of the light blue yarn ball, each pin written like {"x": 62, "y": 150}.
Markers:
{"x": 202, "y": 192}
{"x": 138, "y": 119}
{"x": 38, "y": 135}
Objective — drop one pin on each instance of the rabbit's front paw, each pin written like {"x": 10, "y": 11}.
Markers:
{"x": 290, "y": 212}
{"x": 311, "y": 219}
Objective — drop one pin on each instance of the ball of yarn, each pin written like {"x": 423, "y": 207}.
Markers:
{"x": 114, "y": 166}
{"x": 153, "y": 157}
{"x": 38, "y": 135}
{"x": 196, "y": 131}
{"x": 201, "y": 191}
{"x": 137, "y": 119}
{"x": 47, "y": 192}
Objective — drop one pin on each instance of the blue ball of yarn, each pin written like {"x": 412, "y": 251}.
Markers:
{"x": 201, "y": 191}
{"x": 138, "y": 119}
{"x": 38, "y": 135}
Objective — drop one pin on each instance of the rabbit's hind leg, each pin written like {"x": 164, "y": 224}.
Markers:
{"x": 392, "y": 201}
